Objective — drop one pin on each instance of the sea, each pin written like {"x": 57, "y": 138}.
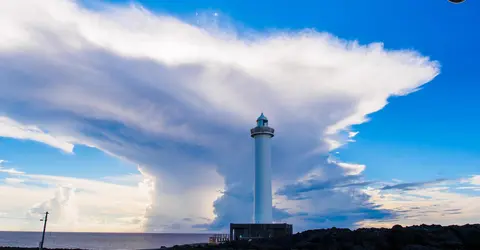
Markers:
{"x": 100, "y": 241}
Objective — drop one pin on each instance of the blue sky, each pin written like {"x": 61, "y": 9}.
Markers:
{"x": 427, "y": 131}
{"x": 155, "y": 99}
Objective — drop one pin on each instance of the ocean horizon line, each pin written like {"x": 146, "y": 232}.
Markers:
{"x": 84, "y": 232}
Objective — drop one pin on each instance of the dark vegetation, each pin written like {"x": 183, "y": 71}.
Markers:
{"x": 423, "y": 237}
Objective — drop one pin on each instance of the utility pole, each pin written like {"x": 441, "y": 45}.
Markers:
{"x": 44, "y": 227}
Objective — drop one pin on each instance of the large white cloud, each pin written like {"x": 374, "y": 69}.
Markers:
{"x": 74, "y": 204}
{"x": 178, "y": 99}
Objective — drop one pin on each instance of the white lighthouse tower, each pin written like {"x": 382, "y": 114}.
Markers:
{"x": 262, "y": 134}
{"x": 263, "y": 226}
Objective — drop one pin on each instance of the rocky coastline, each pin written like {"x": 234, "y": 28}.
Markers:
{"x": 422, "y": 237}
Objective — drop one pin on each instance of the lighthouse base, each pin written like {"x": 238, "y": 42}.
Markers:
{"x": 258, "y": 231}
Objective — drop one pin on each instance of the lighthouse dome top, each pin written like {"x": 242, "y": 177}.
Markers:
{"x": 262, "y": 127}
{"x": 262, "y": 117}
{"x": 262, "y": 121}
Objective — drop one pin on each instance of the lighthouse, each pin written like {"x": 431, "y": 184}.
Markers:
{"x": 263, "y": 226}
{"x": 262, "y": 134}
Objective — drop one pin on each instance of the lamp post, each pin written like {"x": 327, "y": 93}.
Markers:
{"x": 44, "y": 227}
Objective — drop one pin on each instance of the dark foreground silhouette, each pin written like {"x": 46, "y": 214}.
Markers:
{"x": 421, "y": 237}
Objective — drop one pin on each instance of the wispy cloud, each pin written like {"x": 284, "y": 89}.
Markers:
{"x": 438, "y": 204}
{"x": 13, "y": 129}
{"x": 352, "y": 134}
{"x": 13, "y": 180}
{"x": 298, "y": 190}
{"x": 475, "y": 180}
{"x": 349, "y": 168}
{"x": 413, "y": 185}
{"x": 176, "y": 98}
{"x": 11, "y": 171}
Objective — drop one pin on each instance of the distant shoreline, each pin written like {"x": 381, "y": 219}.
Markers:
{"x": 89, "y": 241}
